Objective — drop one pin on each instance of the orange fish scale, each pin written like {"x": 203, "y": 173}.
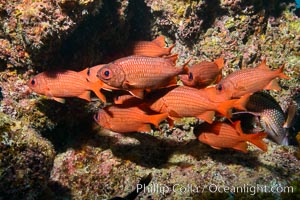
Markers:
{"x": 185, "y": 101}
{"x": 123, "y": 119}
{"x": 222, "y": 134}
{"x": 66, "y": 83}
{"x": 250, "y": 80}
{"x": 146, "y": 70}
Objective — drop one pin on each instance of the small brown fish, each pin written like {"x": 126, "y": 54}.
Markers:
{"x": 250, "y": 80}
{"x": 139, "y": 73}
{"x": 154, "y": 48}
{"x": 183, "y": 101}
{"x": 203, "y": 74}
{"x": 222, "y": 135}
{"x": 65, "y": 83}
{"x": 127, "y": 119}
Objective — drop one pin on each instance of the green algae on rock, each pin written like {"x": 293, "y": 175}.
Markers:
{"x": 25, "y": 160}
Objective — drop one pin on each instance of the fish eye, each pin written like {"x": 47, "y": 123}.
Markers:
{"x": 191, "y": 76}
{"x": 219, "y": 87}
{"x": 32, "y": 82}
{"x": 106, "y": 73}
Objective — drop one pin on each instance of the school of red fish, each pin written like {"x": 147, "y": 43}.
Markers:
{"x": 147, "y": 88}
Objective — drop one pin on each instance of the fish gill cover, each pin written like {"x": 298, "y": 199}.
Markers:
{"x": 54, "y": 150}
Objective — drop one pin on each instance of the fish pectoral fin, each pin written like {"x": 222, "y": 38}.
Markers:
{"x": 173, "y": 82}
{"x": 174, "y": 115}
{"x": 242, "y": 146}
{"x": 139, "y": 93}
{"x": 60, "y": 100}
{"x": 207, "y": 116}
{"x": 238, "y": 127}
{"x": 273, "y": 85}
{"x": 215, "y": 147}
{"x": 96, "y": 87}
{"x": 86, "y": 96}
{"x": 144, "y": 128}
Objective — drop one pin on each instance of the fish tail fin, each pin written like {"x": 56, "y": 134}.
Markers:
{"x": 225, "y": 107}
{"x": 156, "y": 119}
{"x": 281, "y": 74}
{"x": 241, "y": 103}
{"x": 169, "y": 49}
{"x": 219, "y": 62}
{"x": 96, "y": 87}
{"x": 257, "y": 140}
{"x": 185, "y": 68}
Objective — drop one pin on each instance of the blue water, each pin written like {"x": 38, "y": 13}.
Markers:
{"x": 298, "y": 3}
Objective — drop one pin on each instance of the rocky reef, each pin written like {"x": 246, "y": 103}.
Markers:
{"x": 53, "y": 150}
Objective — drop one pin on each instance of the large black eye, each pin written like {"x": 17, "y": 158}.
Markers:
{"x": 32, "y": 82}
{"x": 191, "y": 76}
{"x": 106, "y": 73}
{"x": 219, "y": 87}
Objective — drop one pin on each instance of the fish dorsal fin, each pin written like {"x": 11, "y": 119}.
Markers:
{"x": 263, "y": 65}
{"x": 86, "y": 95}
{"x": 273, "y": 85}
{"x": 160, "y": 41}
{"x": 241, "y": 146}
{"x": 60, "y": 100}
{"x": 238, "y": 127}
{"x": 172, "y": 58}
{"x": 207, "y": 116}
{"x": 139, "y": 93}
{"x": 219, "y": 62}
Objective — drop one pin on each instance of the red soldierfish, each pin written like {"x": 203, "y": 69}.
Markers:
{"x": 139, "y": 73}
{"x": 154, "y": 48}
{"x": 127, "y": 119}
{"x": 222, "y": 135}
{"x": 203, "y": 74}
{"x": 65, "y": 83}
{"x": 250, "y": 80}
{"x": 183, "y": 101}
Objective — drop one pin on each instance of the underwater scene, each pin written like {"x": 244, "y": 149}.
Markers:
{"x": 149, "y": 99}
